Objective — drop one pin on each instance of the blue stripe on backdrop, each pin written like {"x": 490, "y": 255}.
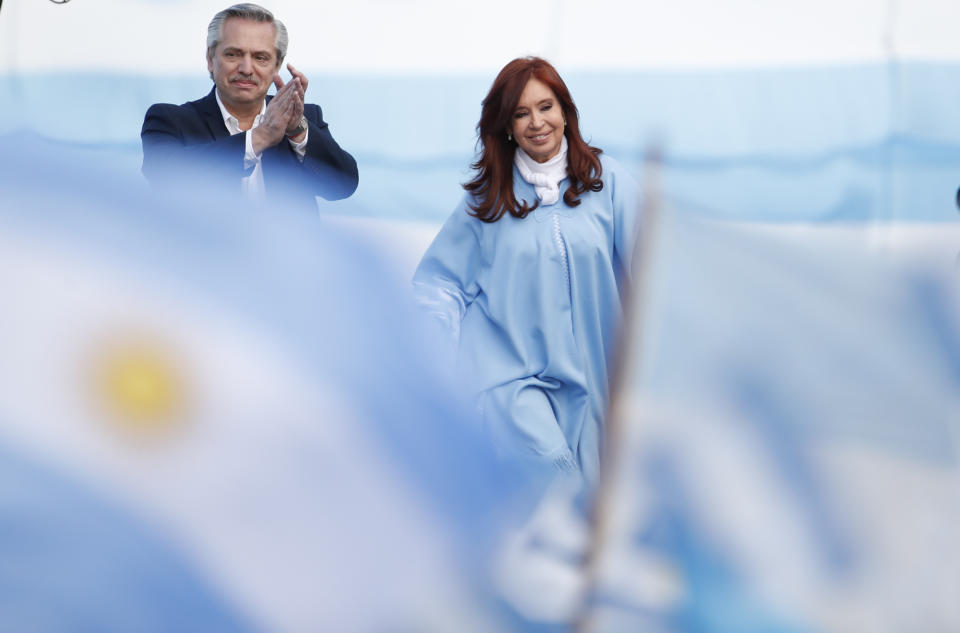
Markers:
{"x": 877, "y": 141}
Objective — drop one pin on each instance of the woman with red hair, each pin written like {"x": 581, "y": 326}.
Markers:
{"x": 527, "y": 272}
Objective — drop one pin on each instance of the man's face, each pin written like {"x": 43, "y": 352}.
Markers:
{"x": 244, "y": 62}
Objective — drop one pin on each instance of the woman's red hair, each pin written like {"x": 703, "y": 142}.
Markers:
{"x": 492, "y": 187}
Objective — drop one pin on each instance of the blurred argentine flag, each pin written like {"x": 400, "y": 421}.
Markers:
{"x": 784, "y": 445}
{"x": 215, "y": 417}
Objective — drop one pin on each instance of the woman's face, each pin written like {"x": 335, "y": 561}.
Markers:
{"x": 538, "y": 121}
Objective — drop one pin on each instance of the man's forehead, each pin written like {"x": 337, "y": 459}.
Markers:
{"x": 249, "y": 32}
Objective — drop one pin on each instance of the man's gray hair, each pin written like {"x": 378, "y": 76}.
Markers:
{"x": 247, "y": 11}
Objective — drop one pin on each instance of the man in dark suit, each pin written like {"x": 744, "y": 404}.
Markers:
{"x": 239, "y": 137}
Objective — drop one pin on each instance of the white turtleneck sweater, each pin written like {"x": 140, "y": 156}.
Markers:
{"x": 545, "y": 177}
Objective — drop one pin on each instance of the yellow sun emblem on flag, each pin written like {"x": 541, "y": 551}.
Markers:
{"x": 139, "y": 385}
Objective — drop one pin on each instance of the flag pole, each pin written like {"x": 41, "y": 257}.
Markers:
{"x": 625, "y": 360}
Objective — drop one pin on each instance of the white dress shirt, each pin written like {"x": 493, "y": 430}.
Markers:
{"x": 252, "y": 185}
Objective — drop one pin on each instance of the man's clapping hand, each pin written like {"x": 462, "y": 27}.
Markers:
{"x": 283, "y": 113}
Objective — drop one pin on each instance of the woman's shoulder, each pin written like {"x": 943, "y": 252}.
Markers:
{"x": 620, "y": 182}
{"x": 615, "y": 172}
{"x": 463, "y": 216}
{"x": 611, "y": 165}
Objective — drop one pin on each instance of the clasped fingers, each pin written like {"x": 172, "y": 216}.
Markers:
{"x": 299, "y": 76}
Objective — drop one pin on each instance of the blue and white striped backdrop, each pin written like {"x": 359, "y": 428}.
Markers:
{"x": 796, "y": 111}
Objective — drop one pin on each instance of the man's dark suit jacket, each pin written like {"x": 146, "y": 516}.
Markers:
{"x": 191, "y": 139}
